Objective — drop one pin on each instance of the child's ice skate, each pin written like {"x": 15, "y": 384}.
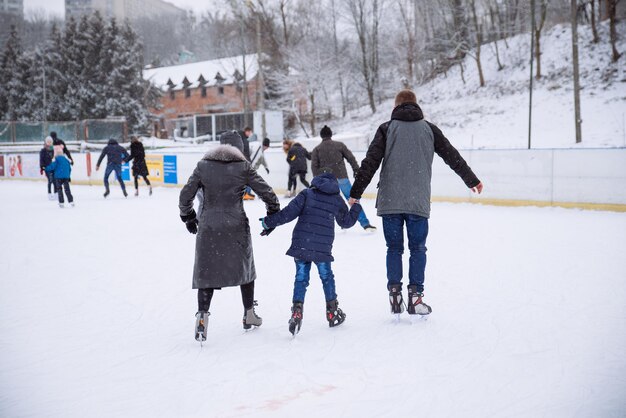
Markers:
{"x": 61, "y": 205}
{"x": 395, "y": 300}
{"x": 416, "y": 305}
{"x": 202, "y": 321}
{"x": 250, "y": 318}
{"x": 52, "y": 196}
{"x": 136, "y": 192}
{"x": 334, "y": 314}
{"x": 296, "y": 318}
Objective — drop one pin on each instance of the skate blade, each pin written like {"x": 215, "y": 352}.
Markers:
{"x": 395, "y": 318}
{"x": 417, "y": 318}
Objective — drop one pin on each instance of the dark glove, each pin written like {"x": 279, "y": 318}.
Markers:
{"x": 71, "y": 162}
{"x": 266, "y": 230}
{"x": 41, "y": 171}
{"x": 191, "y": 222}
{"x": 267, "y": 169}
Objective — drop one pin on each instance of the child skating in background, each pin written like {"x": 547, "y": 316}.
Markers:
{"x": 296, "y": 158}
{"x": 317, "y": 209}
{"x": 62, "y": 168}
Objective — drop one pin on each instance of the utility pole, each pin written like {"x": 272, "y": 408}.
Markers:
{"x": 578, "y": 121}
{"x": 260, "y": 92}
{"x": 532, "y": 53}
{"x": 244, "y": 89}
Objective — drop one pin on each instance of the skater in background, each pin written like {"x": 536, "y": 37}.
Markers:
{"x": 248, "y": 138}
{"x": 115, "y": 154}
{"x": 45, "y": 159}
{"x": 296, "y": 158}
{"x": 329, "y": 156}
{"x": 405, "y": 146}
{"x": 138, "y": 155}
{"x": 317, "y": 209}
{"x": 224, "y": 255}
{"x": 58, "y": 141}
{"x": 258, "y": 155}
{"x": 62, "y": 169}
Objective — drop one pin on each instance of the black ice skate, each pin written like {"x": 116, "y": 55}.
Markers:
{"x": 416, "y": 305}
{"x": 395, "y": 299}
{"x": 334, "y": 314}
{"x": 106, "y": 193}
{"x": 250, "y": 318}
{"x": 296, "y": 318}
{"x": 202, "y": 321}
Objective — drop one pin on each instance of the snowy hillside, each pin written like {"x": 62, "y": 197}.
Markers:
{"x": 97, "y": 317}
{"x": 496, "y": 116}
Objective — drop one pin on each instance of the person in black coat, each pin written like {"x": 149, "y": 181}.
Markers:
{"x": 115, "y": 154}
{"x": 317, "y": 209}
{"x": 138, "y": 155}
{"x": 45, "y": 159}
{"x": 58, "y": 141}
{"x": 296, "y": 157}
{"x": 223, "y": 256}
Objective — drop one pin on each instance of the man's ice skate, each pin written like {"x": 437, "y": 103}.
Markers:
{"x": 202, "y": 321}
{"x": 250, "y": 318}
{"x": 106, "y": 193}
{"x": 334, "y": 314}
{"x": 296, "y": 318}
{"x": 396, "y": 301}
{"x": 416, "y": 305}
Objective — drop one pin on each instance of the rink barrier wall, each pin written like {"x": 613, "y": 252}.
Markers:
{"x": 571, "y": 178}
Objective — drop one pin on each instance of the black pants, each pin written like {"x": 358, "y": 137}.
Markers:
{"x": 145, "y": 178}
{"x": 292, "y": 179}
{"x": 51, "y": 182}
{"x": 64, "y": 184}
{"x": 205, "y": 296}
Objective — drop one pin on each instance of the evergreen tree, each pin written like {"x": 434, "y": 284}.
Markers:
{"x": 56, "y": 81}
{"x": 11, "y": 72}
{"x": 72, "y": 63}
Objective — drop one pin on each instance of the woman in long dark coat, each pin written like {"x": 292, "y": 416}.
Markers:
{"x": 138, "y": 155}
{"x": 223, "y": 244}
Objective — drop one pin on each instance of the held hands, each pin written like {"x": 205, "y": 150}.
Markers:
{"x": 266, "y": 230}
{"x": 352, "y": 201}
{"x": 478, "y": 188}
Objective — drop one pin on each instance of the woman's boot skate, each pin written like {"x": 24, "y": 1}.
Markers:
{"x": 250, "y": 318}
{"x": 202, "y": 321}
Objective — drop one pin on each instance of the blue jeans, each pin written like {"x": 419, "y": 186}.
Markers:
{"x": 303, "y": 270}
{"x": 417, "y": 231}
{"x": 345, "y": 186}
{"x": 118, "y": 174}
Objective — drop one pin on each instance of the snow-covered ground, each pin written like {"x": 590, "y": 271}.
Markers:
{"x": 496, "y": 116}
{"x": 97, "y": 315}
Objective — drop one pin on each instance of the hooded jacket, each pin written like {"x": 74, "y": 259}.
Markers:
{"x": 405, "y": 146}
{"x": 61, "y": 167}
{"x": 317, "y": 209}
{"x": 115, "y": 153}
{"x": 223, "y": 254}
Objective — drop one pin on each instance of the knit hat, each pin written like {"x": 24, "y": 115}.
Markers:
{"x": 266, "y": 142}
{"x": 53, "y": 135}
{"x": 232, "y": 138}
{"x": 326, "y": 132}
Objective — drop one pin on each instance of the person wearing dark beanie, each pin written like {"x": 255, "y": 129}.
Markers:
{"x": 328, "y": 157}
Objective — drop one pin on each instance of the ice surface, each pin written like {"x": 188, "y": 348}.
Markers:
{"x": 97, "y": 317}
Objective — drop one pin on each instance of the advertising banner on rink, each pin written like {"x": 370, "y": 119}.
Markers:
{"x": 125, "y": 172}
{"x": 155, "y": 167}
{"x": 170, "y": 169}
{"x": 21, "y": 166}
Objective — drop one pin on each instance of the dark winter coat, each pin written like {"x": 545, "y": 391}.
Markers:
{"x": 328, "y": 157}
{"x": 405, "y": 145}
{"x": 223, "y": 243}
{"x": 61, "y": 167}
{"x": 317, "y": 209}
{"x": 138, "y": 155}
{"x": 45, "y": 157}
{"x": 115, "y": 153}
{"x": 296, "y": 157}
{"x": 57, "y": 141}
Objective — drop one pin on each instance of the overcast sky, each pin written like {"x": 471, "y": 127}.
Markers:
{"x": 57, "y": 7}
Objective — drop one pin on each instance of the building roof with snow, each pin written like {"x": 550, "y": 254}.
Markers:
{"x": 222, "y": 71}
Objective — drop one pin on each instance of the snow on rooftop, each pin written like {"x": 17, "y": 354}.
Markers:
{"x": 227, "y": 68}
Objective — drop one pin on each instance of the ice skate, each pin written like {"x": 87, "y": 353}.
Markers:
{"x": 72, "y": 204}
{"x": 136, "y": 192}
{"x": 369, "y": 228}
{"x": 202, "y": 321}
{"x": 295, "y": 322}
{"x": 61, "y": 205}
{"x": 250, "y": 318}
{"x": 248, "y": 196}
{"x": 106, "y": 193}
{"x": 395, "y": 300}
{"x": 334, "y": 314}
{"x": 125, "y": 194}
{"x": 416, "y": 305}
{"x": 52, "y": 196}
{"x": 149, "y": 190}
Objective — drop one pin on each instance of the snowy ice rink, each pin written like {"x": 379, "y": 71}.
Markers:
{"x": 97, "y": 317}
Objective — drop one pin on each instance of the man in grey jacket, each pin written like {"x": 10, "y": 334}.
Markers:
{"x": 405, "y": 146}
{"x": 329, "y": 157}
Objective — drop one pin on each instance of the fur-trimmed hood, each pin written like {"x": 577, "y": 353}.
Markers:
{"x": 225, "y": 153}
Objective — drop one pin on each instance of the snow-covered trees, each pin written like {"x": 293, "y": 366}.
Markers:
{"x": 91, "y": 70}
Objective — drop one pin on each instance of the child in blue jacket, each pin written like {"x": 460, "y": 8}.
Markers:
{"x": 62, "y": 168}
{"x": 317, "y": 209}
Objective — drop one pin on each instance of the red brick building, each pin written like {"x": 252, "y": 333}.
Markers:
{"x": 215, "y": 86}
